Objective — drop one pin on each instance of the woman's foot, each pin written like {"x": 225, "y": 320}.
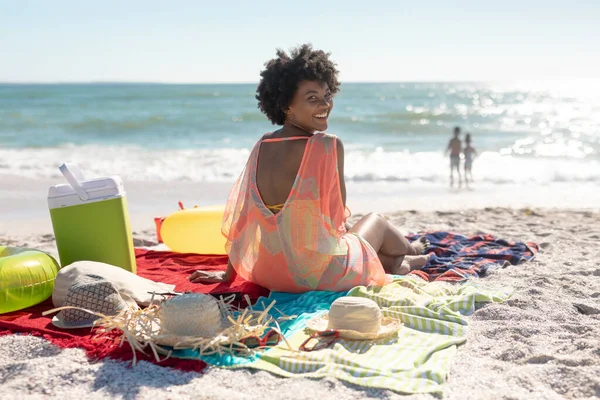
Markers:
{"x": 415, "y": 262}
{"x": 420, "y": 245}
{"x": 409, "y": 263}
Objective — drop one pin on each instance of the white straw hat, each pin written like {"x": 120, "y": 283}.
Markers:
{"x": 93, "y": 293}
{"x": 190, "y": 315}
{"x": 355, "y": 318}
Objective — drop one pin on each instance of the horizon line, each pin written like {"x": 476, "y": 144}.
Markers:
{"x": 256, "y": 82}
{"x": 214, "y": 83}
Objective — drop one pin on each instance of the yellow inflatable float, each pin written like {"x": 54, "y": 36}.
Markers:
{"x": 26, "y": 277}
{"x": 195, "y": 230}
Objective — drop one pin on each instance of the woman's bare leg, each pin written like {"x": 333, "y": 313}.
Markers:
{"x": 386, "y": 238}
{"x": 393, "y": 264}
{"x": 388, "y": 241}
{"x": 402, "y": 265}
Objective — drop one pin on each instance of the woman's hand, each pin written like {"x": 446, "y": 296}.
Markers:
{"x": 213, "y": 276}
{"x": 208, "y": 277}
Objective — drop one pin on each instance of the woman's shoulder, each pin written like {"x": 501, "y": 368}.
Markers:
{"x": 329, "y": 142}
{"x": 328, "y": 137}
{"x": 268, "y": 135}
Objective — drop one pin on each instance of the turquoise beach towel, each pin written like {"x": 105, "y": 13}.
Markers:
{"x": 416, "y": 361}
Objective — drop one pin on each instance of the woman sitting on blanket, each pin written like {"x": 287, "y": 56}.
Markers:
{"x": 285, "y": 219}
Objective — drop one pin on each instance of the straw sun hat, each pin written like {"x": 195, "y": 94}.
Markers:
{"x": 92, "y": 293}
{"x": 189, "y": 315}
{"x": 355, "y": 318}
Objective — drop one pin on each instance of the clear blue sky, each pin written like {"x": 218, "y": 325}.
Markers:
{"x": 229, "y": 41}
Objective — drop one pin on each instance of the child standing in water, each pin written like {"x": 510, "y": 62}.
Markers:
{"x": 454, "y": 147}
{"x": 285, "y": 215}
{"x": 469, "y": 153}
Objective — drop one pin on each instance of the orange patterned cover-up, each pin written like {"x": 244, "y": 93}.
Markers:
{"x": 305, "y": 246}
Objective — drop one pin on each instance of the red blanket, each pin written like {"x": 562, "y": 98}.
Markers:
{"x": 160, "y": 266}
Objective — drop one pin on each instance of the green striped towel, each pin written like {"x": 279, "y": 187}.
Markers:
{"x": 416, "y": 361}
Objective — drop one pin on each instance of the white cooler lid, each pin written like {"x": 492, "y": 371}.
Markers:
{"x": 64, "y": 195}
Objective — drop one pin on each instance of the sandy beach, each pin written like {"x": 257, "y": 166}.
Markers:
{"x": 542, "y": 344}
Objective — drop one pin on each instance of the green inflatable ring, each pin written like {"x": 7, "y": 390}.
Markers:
{"x": 26, "y": 277}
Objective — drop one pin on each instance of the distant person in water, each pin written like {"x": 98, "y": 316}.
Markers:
{"x": 469, "y": 153}
{"x": 455, "y": 148}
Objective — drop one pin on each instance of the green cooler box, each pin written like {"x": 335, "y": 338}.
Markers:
{"x": 90, "y": 220}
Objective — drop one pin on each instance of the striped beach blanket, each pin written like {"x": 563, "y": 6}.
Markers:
{"x": 457, "y": 257}
{"x": 416, "y": 361}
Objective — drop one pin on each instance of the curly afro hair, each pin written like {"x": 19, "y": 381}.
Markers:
{"x": 280, "y": 79}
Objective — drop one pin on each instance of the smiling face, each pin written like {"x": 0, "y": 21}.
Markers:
{"x": 310, "y": 107}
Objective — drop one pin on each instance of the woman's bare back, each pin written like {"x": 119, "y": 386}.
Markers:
{"x": 278, "y": 165}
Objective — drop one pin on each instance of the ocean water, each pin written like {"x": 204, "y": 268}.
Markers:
{"x": 395, "y": 132}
